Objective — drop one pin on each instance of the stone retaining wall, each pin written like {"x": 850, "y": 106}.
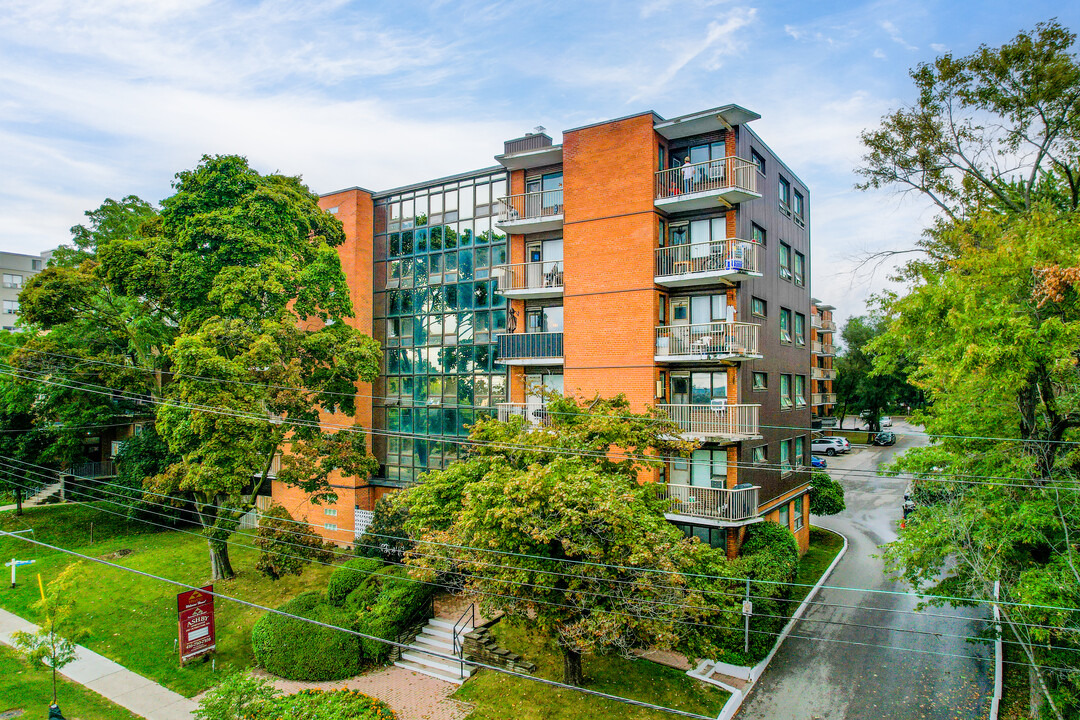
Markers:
{"x": 482, "y": 647}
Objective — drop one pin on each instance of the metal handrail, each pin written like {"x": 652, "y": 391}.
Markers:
{"x": 728, "y": 254}
{"x": 459, "y": 647}
{"x": 530, "y": 275}
{"x": 717, "y": 338}
{"x": 530, "y": 345}
{"x": 714, "y": 419}
{"x": 533, "y": 411}
{"x": 729, "y": 504}
{"x": 729, "y": 172}
{"x": 531, "y": 205}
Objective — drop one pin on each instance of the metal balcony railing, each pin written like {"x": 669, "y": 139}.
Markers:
{"x": 105, "y": 468}
{"x": 823, "y": 399}
{"x": 731, "y": 505}
{"x": 718, "y": 420}
{"x": 729, "y": 172}
{"x": 815, "y": 320}
{"x": 732, "y": 255}
{"x": 530, "y": 276}
{"x": 827, "y": 326}
{"x": 531, "y": 206}
{"x": 823, "y": 373}
{"x": 533, "y": 411}
{"x": 707, "y": 339}
{"x": 530, "y": 345}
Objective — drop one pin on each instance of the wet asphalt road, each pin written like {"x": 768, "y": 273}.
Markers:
{"x": 813, "y": 676}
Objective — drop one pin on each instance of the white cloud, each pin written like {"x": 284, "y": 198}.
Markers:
{"x": 894, "y": 34}
{"x": 879, "y": 54}
{"x": 939, "y": 48}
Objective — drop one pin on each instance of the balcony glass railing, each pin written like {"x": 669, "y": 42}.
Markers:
{"x": 531, "y": 206}
{"x": 711, "y": 175}
{"x": 724, "y": 504}
{"x": 715, "y": 419}
{"x": 530, "y": 276}
{"x": 707, "y": 339}
{"x": 732, "y": 255}
{"x": 521, "y": 346}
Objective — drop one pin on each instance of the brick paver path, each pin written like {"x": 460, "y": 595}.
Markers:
{"x": 410, "y": 695}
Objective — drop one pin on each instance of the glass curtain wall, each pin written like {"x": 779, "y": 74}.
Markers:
{"x": 437, "y": 315}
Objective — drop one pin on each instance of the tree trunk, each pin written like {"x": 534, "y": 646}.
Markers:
{"x": 572, "y": 668}
{"x": 18, "y": 501}
{"x": 1035, "y": 695}
{"x": 220, "y": 567}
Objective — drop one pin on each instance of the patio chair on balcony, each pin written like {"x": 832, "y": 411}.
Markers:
{"x": 702, "y": 346}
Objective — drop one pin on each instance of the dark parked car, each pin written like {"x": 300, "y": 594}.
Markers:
{"x": 818, "y": 463}
{"x": 884, "y": 438}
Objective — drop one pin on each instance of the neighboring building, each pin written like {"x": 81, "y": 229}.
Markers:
{"x": 600, "y": 265}
{"x": 822, "y": 329}
{"x": 16, "y": 270}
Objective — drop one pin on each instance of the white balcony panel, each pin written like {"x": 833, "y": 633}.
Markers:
{"x": 707, "y": 341}
{"x": 722, "y": 505}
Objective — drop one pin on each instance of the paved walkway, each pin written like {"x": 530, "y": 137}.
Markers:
{"x": 410, "y": 695}
{"x": 103, "y": 676}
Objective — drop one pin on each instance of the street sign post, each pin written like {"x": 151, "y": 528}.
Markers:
{"x": 195, "y": 612}
{"x": 14, "y": 564}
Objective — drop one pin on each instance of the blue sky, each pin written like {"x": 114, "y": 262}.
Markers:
{"x": 112, "y": 97}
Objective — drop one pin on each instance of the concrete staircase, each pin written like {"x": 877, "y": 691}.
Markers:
{"x": 437, "y": 637}
{"x": 45, "y": 495}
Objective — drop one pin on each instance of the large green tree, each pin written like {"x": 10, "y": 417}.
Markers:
{"x": 862, "y": 389}
{"x": 248, "y": 264}
{"x": 552, "y": 526}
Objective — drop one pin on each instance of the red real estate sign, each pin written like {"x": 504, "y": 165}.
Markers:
{"x": 196, "y": 612}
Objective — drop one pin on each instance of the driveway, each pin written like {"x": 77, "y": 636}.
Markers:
{"x": 836, "y": 671}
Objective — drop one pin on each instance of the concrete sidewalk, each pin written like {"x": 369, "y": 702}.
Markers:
{"x": 103, "y": 676}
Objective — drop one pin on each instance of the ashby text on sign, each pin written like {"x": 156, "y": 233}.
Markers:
{"x": 196, "y": 612}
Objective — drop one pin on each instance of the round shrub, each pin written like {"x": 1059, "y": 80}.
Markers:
{"x": 351, "y": 575}
{"x": 827, "y": 497}
{"x": 319, "y": 704}
{"x": 387, "y": 603}
{"x": 297, "y": 650}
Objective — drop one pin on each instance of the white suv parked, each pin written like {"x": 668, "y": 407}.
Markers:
{"x": 830, "y": 445}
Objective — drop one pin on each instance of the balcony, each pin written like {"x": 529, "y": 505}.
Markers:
{"x": 533, "y": 411}
{"x": 826, "y": 326}
{"x": 90, "y": 470}
{"x": 530, "y": 349}
{"x": 701, "y": 263}
{"x": 707, "y": 341}
{"x": 723, "y": 505}
{"x": 823, "y": 399}
{"x": 530, "y": 280}
{"x": 717, "y": 421}
{"x": 531, "y": 212}
{"x": 707, "y": 184}
{"x": 823, "y": 348}
{"x": 822, "y": 373}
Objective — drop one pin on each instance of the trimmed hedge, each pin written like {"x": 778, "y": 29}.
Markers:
{"x": 297, "y": 650}
{"x": 351, "y": 575}
{"x": 387, "y": 603}
{"x": 324, "y": 705}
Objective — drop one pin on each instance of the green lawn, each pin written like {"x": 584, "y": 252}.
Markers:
{"x": 132, "y": 619}
{"x": 501, "y": 697}
{"x": 824, "y": 545}
{"x": 30, "y": 689}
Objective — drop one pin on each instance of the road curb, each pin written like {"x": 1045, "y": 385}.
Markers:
{"x": 734, "y": 703}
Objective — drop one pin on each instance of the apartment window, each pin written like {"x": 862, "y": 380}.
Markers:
{"x": 798, "y": 513}
{"x": 662, "y": 310}
{"x": 708, "y": 468}
{"x": 797, "y": 208}
{"x": 785, "y": 325}
{"x": 784, "y": 191}
{"x": 800, "y": 391}
{"x": 761, "y": 381}
{"x": 708, "y": 387}
{"x": 758, "y": 160}
{"x": 800, "y": 268}
{"x": 757, "y": 307}
{"x": 11, "y": 307}
{"x": 13, "y": 281}
{"x": 661, "y": 156}
{"x": 330, "y": 512}
{"x": 785, "y": 261}
{"x": 800, "y": 450}
{"x": 9, "y": 328}
{"x": 330, "y": 526}
{"x": 759, "y": 234}
{"x": 785, "y": 392}
{"x": 800, "y": 329}
{"x": 758, "y": 455}
{"x": 661, "y": 385}
{"x": 785, "y": 515}
{"x": 785, "y": 457}
{"x": 35, "y": 264}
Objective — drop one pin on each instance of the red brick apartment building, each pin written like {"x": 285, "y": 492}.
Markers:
{"x": 664, "y": 259}
{"x": 822, "y": 373}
